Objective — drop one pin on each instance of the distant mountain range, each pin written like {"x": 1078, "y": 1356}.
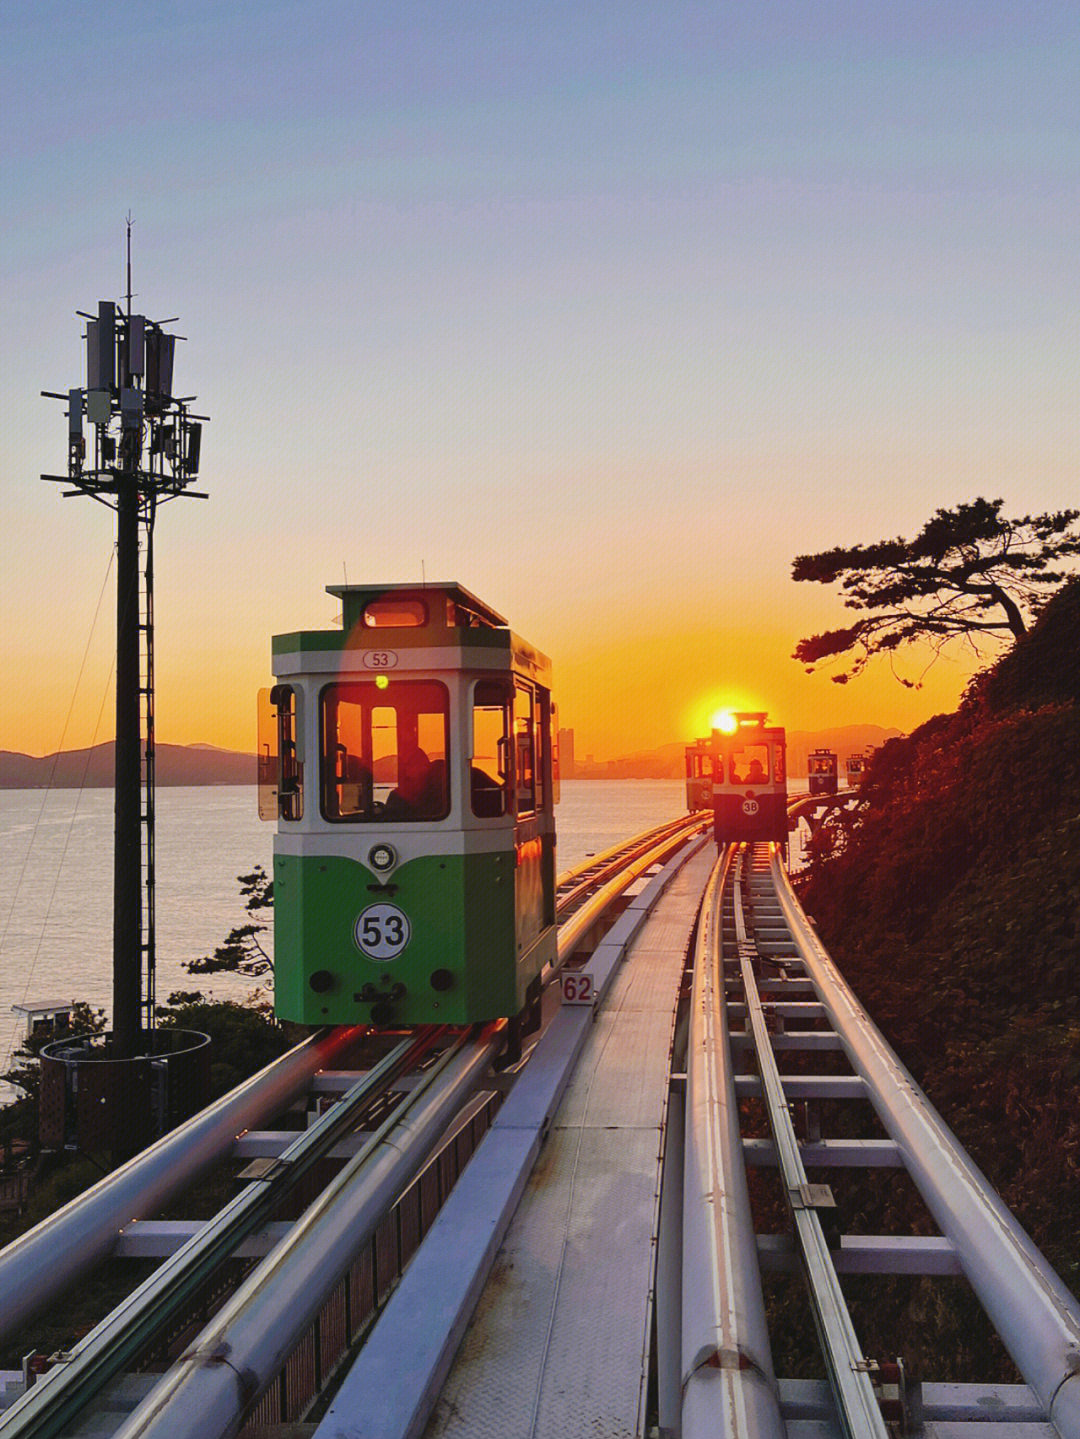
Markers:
{"x": 198, "y": 764}
{"x": 668, "y": 762}
{"x": 175, "y": 764}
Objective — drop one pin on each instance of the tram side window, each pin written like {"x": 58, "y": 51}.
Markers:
{"x": 750, "y": 764}
{"x": 541, "y": 740}
{"x": 779, "y": 774}
{"x": 281, "y": 771}
{"x": 525, "y": 749}
{"x": 490, "y": 768}
{"x": 384, "y": 749}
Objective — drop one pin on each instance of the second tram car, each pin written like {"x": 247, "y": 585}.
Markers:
{"x": 410, "y": 763}
{"x": 749, "y": 781}
{"x": 855, "y": 766}
{"x": 822, "y": 771}
{"x": 699, "y": 775}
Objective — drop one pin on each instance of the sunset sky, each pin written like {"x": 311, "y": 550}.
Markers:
{"x": 605, "y": 310}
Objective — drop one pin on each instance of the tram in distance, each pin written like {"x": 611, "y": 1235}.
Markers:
{"x": 410, "y": 762}
{"x": 699, "y": 775}
{"x": 749, "y": 780}
{"x": 821, "y": 770}
{"x": 855, "y": 766}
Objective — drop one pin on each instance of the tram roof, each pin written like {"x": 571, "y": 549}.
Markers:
{"x": 355, "y": 598}
{"x": 416, "y": 618}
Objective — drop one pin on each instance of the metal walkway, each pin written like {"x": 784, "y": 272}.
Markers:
{"x": 560, "y": 1342}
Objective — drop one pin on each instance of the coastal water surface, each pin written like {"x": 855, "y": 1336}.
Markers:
{"x": 56, "y": 880}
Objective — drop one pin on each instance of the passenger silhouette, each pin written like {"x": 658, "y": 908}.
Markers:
{"x": 405, "y": 802}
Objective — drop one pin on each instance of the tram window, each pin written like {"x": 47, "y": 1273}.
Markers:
{"x": 524, "y": 749}
{"x": 750, "y": 764}
{"x": 384, "y": 751}
{"x": 490, "y": 766}
{"x": 394, "y": 614}
{"x": 541, "y": 737}
{"x": 556, "y": 762}
{"x": 281, "y": 771}
{"x": 778, "y": 764}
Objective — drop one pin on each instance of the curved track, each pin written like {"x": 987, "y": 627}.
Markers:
{"x": 765, "y": 991}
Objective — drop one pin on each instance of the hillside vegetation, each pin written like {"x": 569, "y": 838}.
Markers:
{"x": 952, "y": 905}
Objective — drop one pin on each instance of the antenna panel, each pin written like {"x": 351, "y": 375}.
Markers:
{"x": 194, "y": 445}
{"x": 131, "y": 409}
{"x": 98, "y": 407}
{"x": 105, "y": 336}
{"x": 159, "y": 363}
{"x": 136, "y": 345}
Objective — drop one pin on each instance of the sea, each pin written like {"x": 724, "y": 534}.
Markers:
{"x": 56, "y": 881}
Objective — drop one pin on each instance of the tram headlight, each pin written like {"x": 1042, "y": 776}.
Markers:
{"x": 382, "y": 857}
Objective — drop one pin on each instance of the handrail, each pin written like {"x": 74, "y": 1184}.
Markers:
{"x": 857, "y": 1408}
{"x": 572, "y": 930}
{"x": 609, "y": 858}
{"x": 43, "y": 1262}
{"x": 60, "y": 1394}
{"x": 728, "y": 1383}
{"x": 249, "y": 1339}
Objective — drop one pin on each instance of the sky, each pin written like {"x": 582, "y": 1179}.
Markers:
{"x": 605, "y": 310}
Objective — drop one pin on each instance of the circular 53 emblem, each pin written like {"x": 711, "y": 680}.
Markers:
{"x": 382, "y": 931}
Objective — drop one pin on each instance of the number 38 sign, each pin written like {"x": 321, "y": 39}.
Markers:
{"x": 382, "y": 931}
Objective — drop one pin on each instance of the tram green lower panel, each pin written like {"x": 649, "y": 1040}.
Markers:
{"x": 432, "y": 943}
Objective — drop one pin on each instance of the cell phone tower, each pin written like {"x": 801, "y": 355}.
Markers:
{"x": 142, "y": 449}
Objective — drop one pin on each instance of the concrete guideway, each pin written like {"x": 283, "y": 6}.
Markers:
{"x": 562, "y": 1328}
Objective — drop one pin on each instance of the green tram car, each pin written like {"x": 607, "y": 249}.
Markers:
{"x": 409, "y": 760}
{"x": 822, "y": 771}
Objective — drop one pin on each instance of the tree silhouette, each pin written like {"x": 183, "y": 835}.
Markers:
{"x": 241, "y": 952}
{"x": 969, "y": 574}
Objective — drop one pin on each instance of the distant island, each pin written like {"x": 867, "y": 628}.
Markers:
{"x": 175, "y": 764}
{"x": 201, "y": 764}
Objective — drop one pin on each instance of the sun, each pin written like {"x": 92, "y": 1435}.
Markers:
{"x": 724, "y": 721}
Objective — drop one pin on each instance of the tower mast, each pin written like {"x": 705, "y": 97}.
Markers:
{"x": 144, "y": 449}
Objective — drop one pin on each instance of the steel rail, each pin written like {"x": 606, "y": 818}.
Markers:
{"x": 585, "y": 876}
{"x": 68, "y": 1386}
{"x": 574, "y": 929}
{"x": 237, "y": 1355}
{"x": 728, "y": 1384}
{"x": 1036, "y": 1317}
{"x": 37, "y": 1267}
{"x": 857, "y": 1408}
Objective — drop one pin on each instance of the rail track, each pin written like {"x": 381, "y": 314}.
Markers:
{"x": 391, "y": 1140}
{"x": 250, "y": 1316}
{"x": 765, "y": 991}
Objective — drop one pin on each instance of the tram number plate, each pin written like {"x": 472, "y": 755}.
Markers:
{"x": 382, "y": 931}
{"x": 380, "y": 660}
{"x": 578, "y": 987}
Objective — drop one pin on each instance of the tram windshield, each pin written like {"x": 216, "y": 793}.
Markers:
{"x": 384, "y": 748}
{"x": 749, "y": 764}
